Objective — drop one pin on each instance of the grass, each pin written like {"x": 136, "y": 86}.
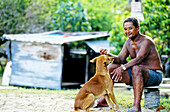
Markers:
{"x": 166, "y": 103}
{"x": 125, "y": 99}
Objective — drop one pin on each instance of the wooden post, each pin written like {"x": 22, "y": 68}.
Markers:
{"x": 136, "y": 9}
{"x": 87, "y": 64}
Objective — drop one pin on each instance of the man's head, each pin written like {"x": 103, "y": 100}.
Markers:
{"x": 131, "y": 27}
{"x": 133, "y": 20}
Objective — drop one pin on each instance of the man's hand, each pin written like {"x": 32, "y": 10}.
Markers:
{"x": 117, "y": 74}
{"x": 103, "y": 51}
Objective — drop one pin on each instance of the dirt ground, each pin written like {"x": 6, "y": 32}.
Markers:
{"x": 26, "y": 102}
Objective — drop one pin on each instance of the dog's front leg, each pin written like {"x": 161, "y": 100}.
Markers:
{"x": 109, "y": 102}
{"x": 112, "y": 96}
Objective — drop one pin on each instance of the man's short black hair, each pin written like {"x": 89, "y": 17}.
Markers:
{"x": 133, "y": 20}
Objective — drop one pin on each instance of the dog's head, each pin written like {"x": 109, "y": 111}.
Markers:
{"x": 105, "y": 59}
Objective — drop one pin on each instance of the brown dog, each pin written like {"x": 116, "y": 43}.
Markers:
{"x": 99, "y": 85}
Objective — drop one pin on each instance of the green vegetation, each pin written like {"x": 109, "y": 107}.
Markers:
{"x": 165, "y": 102}
{"x": 156, "y": 23}
{"x": 68, "y": 94}
{"x": 118, "y": 37}
{"x": 101, "y": 13}
{"x": 1, "y": 74}
{"x": 125, "y": 99}
{"x": 25, "y": 16}
{"x": 71, "y": 17}
{"x": 31, "y": 16}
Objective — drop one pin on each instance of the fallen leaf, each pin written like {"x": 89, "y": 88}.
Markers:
{"x": 160, "y": 107}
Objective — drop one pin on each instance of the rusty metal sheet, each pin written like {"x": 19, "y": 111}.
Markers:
{"x": 36, "y": 65}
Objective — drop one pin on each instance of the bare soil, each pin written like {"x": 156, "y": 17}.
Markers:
{"x": 26, "y": 102}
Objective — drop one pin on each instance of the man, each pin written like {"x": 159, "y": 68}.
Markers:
{"x": 143, "y": 70}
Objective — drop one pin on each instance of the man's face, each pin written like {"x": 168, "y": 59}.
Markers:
{"x": 130, "y": 30}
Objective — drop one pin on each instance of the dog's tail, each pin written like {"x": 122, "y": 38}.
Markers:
{"x": 76, "y": 105}
{"x": 76, "y": 108}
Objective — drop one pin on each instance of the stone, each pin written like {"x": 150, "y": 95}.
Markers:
{"x": 152, "y": 98}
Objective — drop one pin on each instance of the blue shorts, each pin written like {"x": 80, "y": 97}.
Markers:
{"x": 155, "y": 77}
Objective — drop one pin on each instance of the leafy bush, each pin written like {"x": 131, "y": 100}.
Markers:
{"x": 24, "y": 16}
{"x": 101, "y": 13}
{"x": 71, "y": 17}
{"x": 118, "y": 37}
{"x": 27, "y": 16}
{"x": 156, "y": 23}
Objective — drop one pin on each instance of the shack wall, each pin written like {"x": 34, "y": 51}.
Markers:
{"x": 36, "y": 64}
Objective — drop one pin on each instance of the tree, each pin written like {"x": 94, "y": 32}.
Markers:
{"x": 156, "y": 23}
{"x": 71, "y": 17}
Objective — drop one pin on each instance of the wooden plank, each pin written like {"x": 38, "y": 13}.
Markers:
{"x": 70, "y": 83}
{"x": 121, "y": 85}
{"x": 166, "y": 79}
{"x": 166, "y": 86}
{"x": 87, "y": 64}
{"x": 165, "y": 91}
{"x": 77, "y": 51}
{"x": 7, "y": 74}
{"x": 8, "y": 88}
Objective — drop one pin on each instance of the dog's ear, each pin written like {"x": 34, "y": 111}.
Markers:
{"x": 105, "y": 64}
{"x": 93, "y": 60}
{"x": 104, "y": 61}
{"x": 111, "y": 58}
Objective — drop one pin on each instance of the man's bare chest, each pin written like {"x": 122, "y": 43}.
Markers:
{"x": 133, "y": 50}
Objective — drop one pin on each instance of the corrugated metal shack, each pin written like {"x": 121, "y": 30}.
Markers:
{"x": 43, "y": 60}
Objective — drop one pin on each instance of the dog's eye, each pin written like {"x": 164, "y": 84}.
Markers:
{"x": 108, "y": 59}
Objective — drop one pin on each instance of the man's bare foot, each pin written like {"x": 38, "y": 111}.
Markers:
{"x": 134, "y": 109}
{"x": 102, "y": 102}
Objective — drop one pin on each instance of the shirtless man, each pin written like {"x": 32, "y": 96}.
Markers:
{"x": 143, "y": 70}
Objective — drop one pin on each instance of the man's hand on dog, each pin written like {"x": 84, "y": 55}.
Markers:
{"x": 104, "y": 52}
{"x": 117, "y": 74}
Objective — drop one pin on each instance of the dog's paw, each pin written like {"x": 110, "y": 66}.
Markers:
{"x": 111, "y": 110}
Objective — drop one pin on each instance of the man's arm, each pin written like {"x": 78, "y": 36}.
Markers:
{"x": 121, "y": 58}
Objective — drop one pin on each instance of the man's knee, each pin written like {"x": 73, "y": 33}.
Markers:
{"x": 136, "y": 69}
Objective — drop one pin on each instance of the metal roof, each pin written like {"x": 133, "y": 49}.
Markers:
{"x": 96, "y": 45}
{"x": 55, "y": 37}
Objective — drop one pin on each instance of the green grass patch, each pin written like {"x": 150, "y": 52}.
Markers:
{"x": 123, "y": 97}
{"x": 1, "y": 74}
{"x": 68, "y": 94}
{"x": 165, "y": 102}
{"x": 0, "y": 80}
